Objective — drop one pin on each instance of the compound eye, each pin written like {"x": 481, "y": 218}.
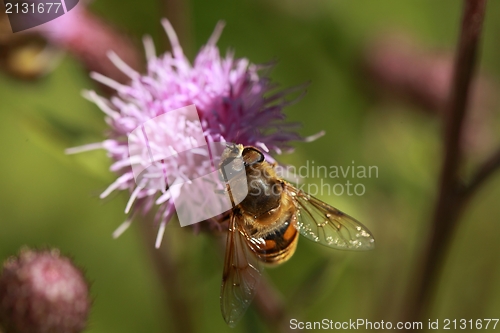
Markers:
{"x": 252, "y": 156}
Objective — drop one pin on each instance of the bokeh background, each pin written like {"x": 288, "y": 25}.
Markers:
{"x": 49, "y": 199}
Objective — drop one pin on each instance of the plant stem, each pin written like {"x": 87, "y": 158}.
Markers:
{"x": 484, "y": 172}
{"x": 180, "y": 311}
{"x": 450, "y": 199}
{"x": 271, "y": 307}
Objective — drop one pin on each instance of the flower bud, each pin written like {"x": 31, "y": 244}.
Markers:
{"x": 43, "y": 292}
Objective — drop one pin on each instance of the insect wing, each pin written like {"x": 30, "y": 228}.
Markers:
{"x": 240, "y": 277}
{"x": 327, "y": 225}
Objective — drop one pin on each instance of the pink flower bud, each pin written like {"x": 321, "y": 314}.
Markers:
{"x": 43, "y": 292}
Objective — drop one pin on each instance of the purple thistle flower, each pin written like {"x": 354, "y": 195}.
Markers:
{"x": 235, "y": 100}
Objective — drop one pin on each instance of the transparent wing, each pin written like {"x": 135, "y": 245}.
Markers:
{"x": 327, "y": 225}
{"x": 242, "y": 271}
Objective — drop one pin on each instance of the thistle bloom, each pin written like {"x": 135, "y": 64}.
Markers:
{"x": 235, "y": 100}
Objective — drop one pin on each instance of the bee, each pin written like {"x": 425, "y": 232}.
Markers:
{"x": 264, "y": 227}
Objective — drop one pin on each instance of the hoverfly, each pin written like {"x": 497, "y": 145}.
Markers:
{"x": 264, "y": 227}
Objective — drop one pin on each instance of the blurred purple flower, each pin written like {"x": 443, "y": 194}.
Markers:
{"x": 235, "y": 99}
{"x": 89, "y": 38}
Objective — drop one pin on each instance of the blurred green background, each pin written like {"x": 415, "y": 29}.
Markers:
{"x": 50, "y": 199}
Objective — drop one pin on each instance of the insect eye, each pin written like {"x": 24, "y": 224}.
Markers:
{"x": 252, "y": 156}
